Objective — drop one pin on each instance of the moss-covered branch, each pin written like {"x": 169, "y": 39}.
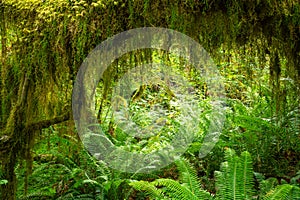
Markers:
{"x": 6, "y": 141}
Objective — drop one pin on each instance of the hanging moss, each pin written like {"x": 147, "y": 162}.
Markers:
{"x": 52, "y": 37}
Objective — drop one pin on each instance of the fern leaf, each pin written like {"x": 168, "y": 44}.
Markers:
{"x": 235, "y": 180}
{"x": 174, "y": 190}
{"x": 37, "y": 196}
{"x": 266, "y": 185}
{"x": 188, "y": 176}
{"x": 280, "y": 192}
{"x": 150, "y": 189}
{"x": 227, "y": 180}
{"x": 295, "y": 193}
{"x": 220, "y": 187}
{"x": 79, "y": 197}
{"x": 246, "y": 187}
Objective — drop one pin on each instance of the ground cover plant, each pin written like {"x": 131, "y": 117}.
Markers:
{"x": 255, "y": 46}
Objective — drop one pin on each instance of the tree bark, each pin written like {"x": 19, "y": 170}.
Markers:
{"x": 10, "y": 149}
{"x": 3, "y": 68}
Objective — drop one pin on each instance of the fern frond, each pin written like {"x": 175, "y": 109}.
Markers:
{"x": 104, "y": 170}
{"x": 149, "y": 188}
{"x": 79, "y": 197}
{"x": 246, "y": 178}
{"x": 189, "y": 178}
{"x": 220, "y": 185}
{"x": 37, "y": 196}
{"x": 266, "y": 185}
{"x": 189, "y": 189}
{"x": 174, "y": 190}
{"x": 229, "y": 170}
{"x": 226, "y": 179}
{"x": 295, "y": 193}
{"x": 280, "y": 192}
{"x": 40, "y": 169}
{"x": 235, "y": 180}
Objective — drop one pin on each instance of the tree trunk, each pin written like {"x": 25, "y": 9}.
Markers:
{"x": 3, "y": 68}
{"x": 8, "y": 191}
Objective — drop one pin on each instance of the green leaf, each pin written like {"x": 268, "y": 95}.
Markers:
{"x": 175, "y": 190}
{"x": 150, "y": 189}
{"x": 235, "y": 180}
{"x": 188, "y": 176}
{"x": 3, "y": 182}
{"x": 280, "y": 192}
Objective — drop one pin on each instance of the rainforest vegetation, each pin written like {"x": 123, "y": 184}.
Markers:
{"x": 255, "y": 45}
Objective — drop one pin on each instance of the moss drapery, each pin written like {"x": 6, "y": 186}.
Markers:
{"x": 44, "y": 42}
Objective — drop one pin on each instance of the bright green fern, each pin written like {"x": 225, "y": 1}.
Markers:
{"x": 189, "y": 189}
{"x": 234, "y": 181}
{"x": 284, "y": 192}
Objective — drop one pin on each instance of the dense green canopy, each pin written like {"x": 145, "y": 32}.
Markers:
{"x": 43, "y": 43}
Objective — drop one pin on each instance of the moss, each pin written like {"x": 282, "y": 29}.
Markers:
{"x": 52, "y": 38}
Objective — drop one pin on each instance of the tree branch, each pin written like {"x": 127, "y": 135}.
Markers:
{"x": 6, "y": 142}
{"x": 46, "y": 123}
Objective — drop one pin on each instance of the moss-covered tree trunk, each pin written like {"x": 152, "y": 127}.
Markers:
{"x": 2, "y": 69}
{"x": 8, "y": 190}
{"x": 15, "y": 129}
{"x": 21, "y": 135}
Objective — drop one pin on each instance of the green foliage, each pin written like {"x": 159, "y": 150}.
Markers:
{"x": 254, "y": 129}
{"x": 189, "y": 189}
{"x": 235, "y": 180}
{"x": 3, "y": 182}
{"x": 285, "y": 191}
{"x": 150, "y": 189}
{"x": 256, "y": 43}
{"x": 188, "y": 175}
{"x": 266, "y": 185}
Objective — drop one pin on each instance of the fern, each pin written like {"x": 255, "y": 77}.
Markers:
{"x": 285, "y": 191}
{"x": 235, "y": 180}
{"x": 167, "y": 188}
{"x": 295, "y": 193}
{"x": 188, "y": 176}
{"x": 221, "y": 187}
{"x": 79, "y": 197}
{"x": 37, "y": 196}
{"x": 175, "y": 190}
{"x": 266, "y": 185}
{"x": 246, "y": 187}
{"x": 151, "y": 190}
